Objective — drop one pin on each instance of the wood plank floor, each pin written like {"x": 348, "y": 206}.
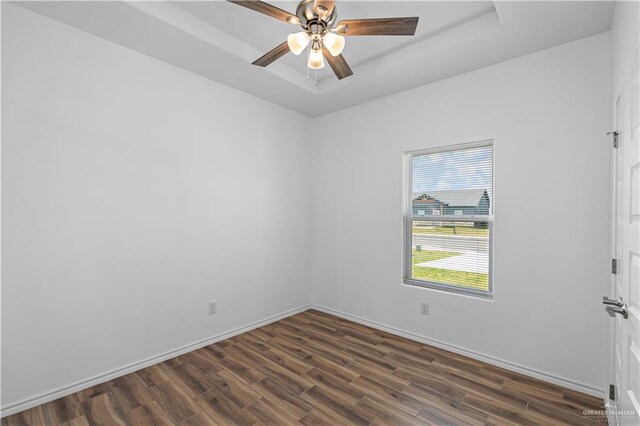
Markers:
{"x": 314, "y": 368}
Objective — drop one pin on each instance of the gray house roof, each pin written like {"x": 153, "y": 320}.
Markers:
{"x": 455, "y": 198}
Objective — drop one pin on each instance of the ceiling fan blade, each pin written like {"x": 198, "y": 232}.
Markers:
{"x": 272, "y": 55}
{"x": 267, "y": 9}
{"x": 378, "y": 26}
{"x": 338, "y": 64}
{"x": 323, "y": 7}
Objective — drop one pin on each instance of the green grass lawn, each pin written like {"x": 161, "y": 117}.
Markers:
{"x": 462, "y": 279}
{"x": 451, "y": 230}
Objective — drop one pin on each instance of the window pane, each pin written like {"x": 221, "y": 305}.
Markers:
{"x": 452, "y": 253}
{"x": 456, "y": 182}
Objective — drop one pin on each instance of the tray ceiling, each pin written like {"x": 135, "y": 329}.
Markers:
{"x": 219, "y": 40}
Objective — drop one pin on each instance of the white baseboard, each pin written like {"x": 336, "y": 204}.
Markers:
{"x": 84, "y": 384}
{"x": 561, "y": 381}
{"x": 87, "y": 383}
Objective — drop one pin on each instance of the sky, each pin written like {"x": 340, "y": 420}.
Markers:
{"x": 461, "y": 169}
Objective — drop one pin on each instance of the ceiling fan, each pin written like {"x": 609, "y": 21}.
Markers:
{"x": 320, "y": 31}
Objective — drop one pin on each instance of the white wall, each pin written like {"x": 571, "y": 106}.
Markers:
{"x": 548, "y": 114}
{"x": 134, "y": 193}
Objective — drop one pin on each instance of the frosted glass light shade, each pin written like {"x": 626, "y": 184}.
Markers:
{"x": 316, "y": 61}
{"x": 297, "y": 42}
{"x": 334, "y": 43}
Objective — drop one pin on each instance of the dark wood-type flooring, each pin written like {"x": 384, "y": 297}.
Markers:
{"x": 314, "y": 368}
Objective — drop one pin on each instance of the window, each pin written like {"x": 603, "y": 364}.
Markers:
{"x": 448, "y": 218}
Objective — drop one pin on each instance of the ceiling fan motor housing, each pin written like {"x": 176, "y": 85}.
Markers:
{"x": 309, "y": 17}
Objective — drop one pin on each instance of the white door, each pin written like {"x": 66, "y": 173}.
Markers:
{"x": 625, "y": 374}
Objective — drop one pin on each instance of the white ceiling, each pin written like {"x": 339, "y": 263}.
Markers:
{"x": 265, "y": 33}
{"x": 219, "y": 40}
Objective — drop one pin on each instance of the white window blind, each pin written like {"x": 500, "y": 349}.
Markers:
{"x": 449, "y": 218}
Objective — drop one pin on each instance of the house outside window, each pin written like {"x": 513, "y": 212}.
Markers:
{"x": 448, "y": 217}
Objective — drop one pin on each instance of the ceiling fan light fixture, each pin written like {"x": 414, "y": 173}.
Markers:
{"x": 316, "y": 60}
{"x": 334, "y": 43}
{"x": 318, "y": 20}
{"x": 297, "y": 42}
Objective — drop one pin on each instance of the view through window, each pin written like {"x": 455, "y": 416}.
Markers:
{"x": 449, "y": 218}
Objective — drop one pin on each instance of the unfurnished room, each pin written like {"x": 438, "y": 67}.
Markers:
{"x": 320, "y": 212}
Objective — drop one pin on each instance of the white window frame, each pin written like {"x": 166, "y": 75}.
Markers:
{"x": 409, "y": 218}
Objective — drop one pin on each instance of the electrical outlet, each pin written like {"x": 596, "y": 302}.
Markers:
{"x": 424, "y": 308}
{"x": 212, "y": 308}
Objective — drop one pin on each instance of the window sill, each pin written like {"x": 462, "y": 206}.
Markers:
{"x": 449, "y": 289}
